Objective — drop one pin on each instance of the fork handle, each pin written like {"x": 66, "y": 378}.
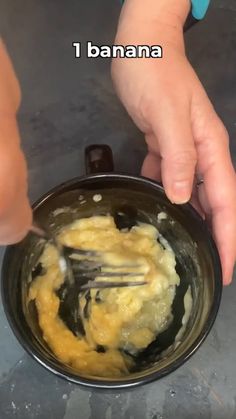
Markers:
{"x": 38, "y": 231}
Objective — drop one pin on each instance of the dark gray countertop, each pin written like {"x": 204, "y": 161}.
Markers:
{"x": 68, "y": 104}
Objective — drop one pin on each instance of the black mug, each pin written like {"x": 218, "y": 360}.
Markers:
{"x": 139, "y": 200}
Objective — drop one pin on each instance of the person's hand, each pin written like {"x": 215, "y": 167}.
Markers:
{"x": 15, "y": 211}
{"x": 184, "y": 135}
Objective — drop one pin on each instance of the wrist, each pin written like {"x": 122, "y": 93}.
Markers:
{"x": 166, "y": 11}
{"x": 153, "y": 21}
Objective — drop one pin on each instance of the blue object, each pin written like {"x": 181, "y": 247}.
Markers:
{"x": 199, "y": 8}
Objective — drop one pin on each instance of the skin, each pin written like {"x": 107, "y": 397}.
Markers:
{"x": 184, "y": 135}
{"x": 15, "y": 211}
{"x": 167, "y": 102}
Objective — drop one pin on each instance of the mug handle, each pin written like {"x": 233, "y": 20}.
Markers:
{"x": 98, "y": 159}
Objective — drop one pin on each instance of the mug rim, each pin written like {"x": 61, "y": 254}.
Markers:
{"x": 123, "y": 382}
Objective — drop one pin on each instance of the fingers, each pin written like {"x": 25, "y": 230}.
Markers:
{"x": 173, "y": 142}
{"x": 171, "y": 125}
{"x": 218, "y": 196}
{"x": 224, "y": 227}
{"x": 195, "y": 202}
{"x": 15, "y": 211}
{"x": 9, "y": 86}
{"x": 152, "y": 167}
{"x": 152, "y": 164}
{"x": 15, "y": 224}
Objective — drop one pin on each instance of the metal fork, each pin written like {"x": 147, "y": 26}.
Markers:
{"x": 86, "y": 265}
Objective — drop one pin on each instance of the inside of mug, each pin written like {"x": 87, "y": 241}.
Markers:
{"x": 137, "y": 202}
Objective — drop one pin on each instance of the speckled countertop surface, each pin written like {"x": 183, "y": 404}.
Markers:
{"x": 68, "y": 104}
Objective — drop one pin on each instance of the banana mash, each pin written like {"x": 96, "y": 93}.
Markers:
{"x": 121, "y": 321}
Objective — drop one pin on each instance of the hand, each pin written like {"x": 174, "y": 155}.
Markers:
{"x": 184, "y": 135}
{"x": 15, "y": 211}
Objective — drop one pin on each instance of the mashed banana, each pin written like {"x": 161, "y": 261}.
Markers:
{"x": 121, "y": 320}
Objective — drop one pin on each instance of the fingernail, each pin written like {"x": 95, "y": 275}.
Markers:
{"x": 181, "y": 192}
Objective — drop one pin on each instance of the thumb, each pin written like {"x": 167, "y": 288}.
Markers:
{"x": 171, "y": 125}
